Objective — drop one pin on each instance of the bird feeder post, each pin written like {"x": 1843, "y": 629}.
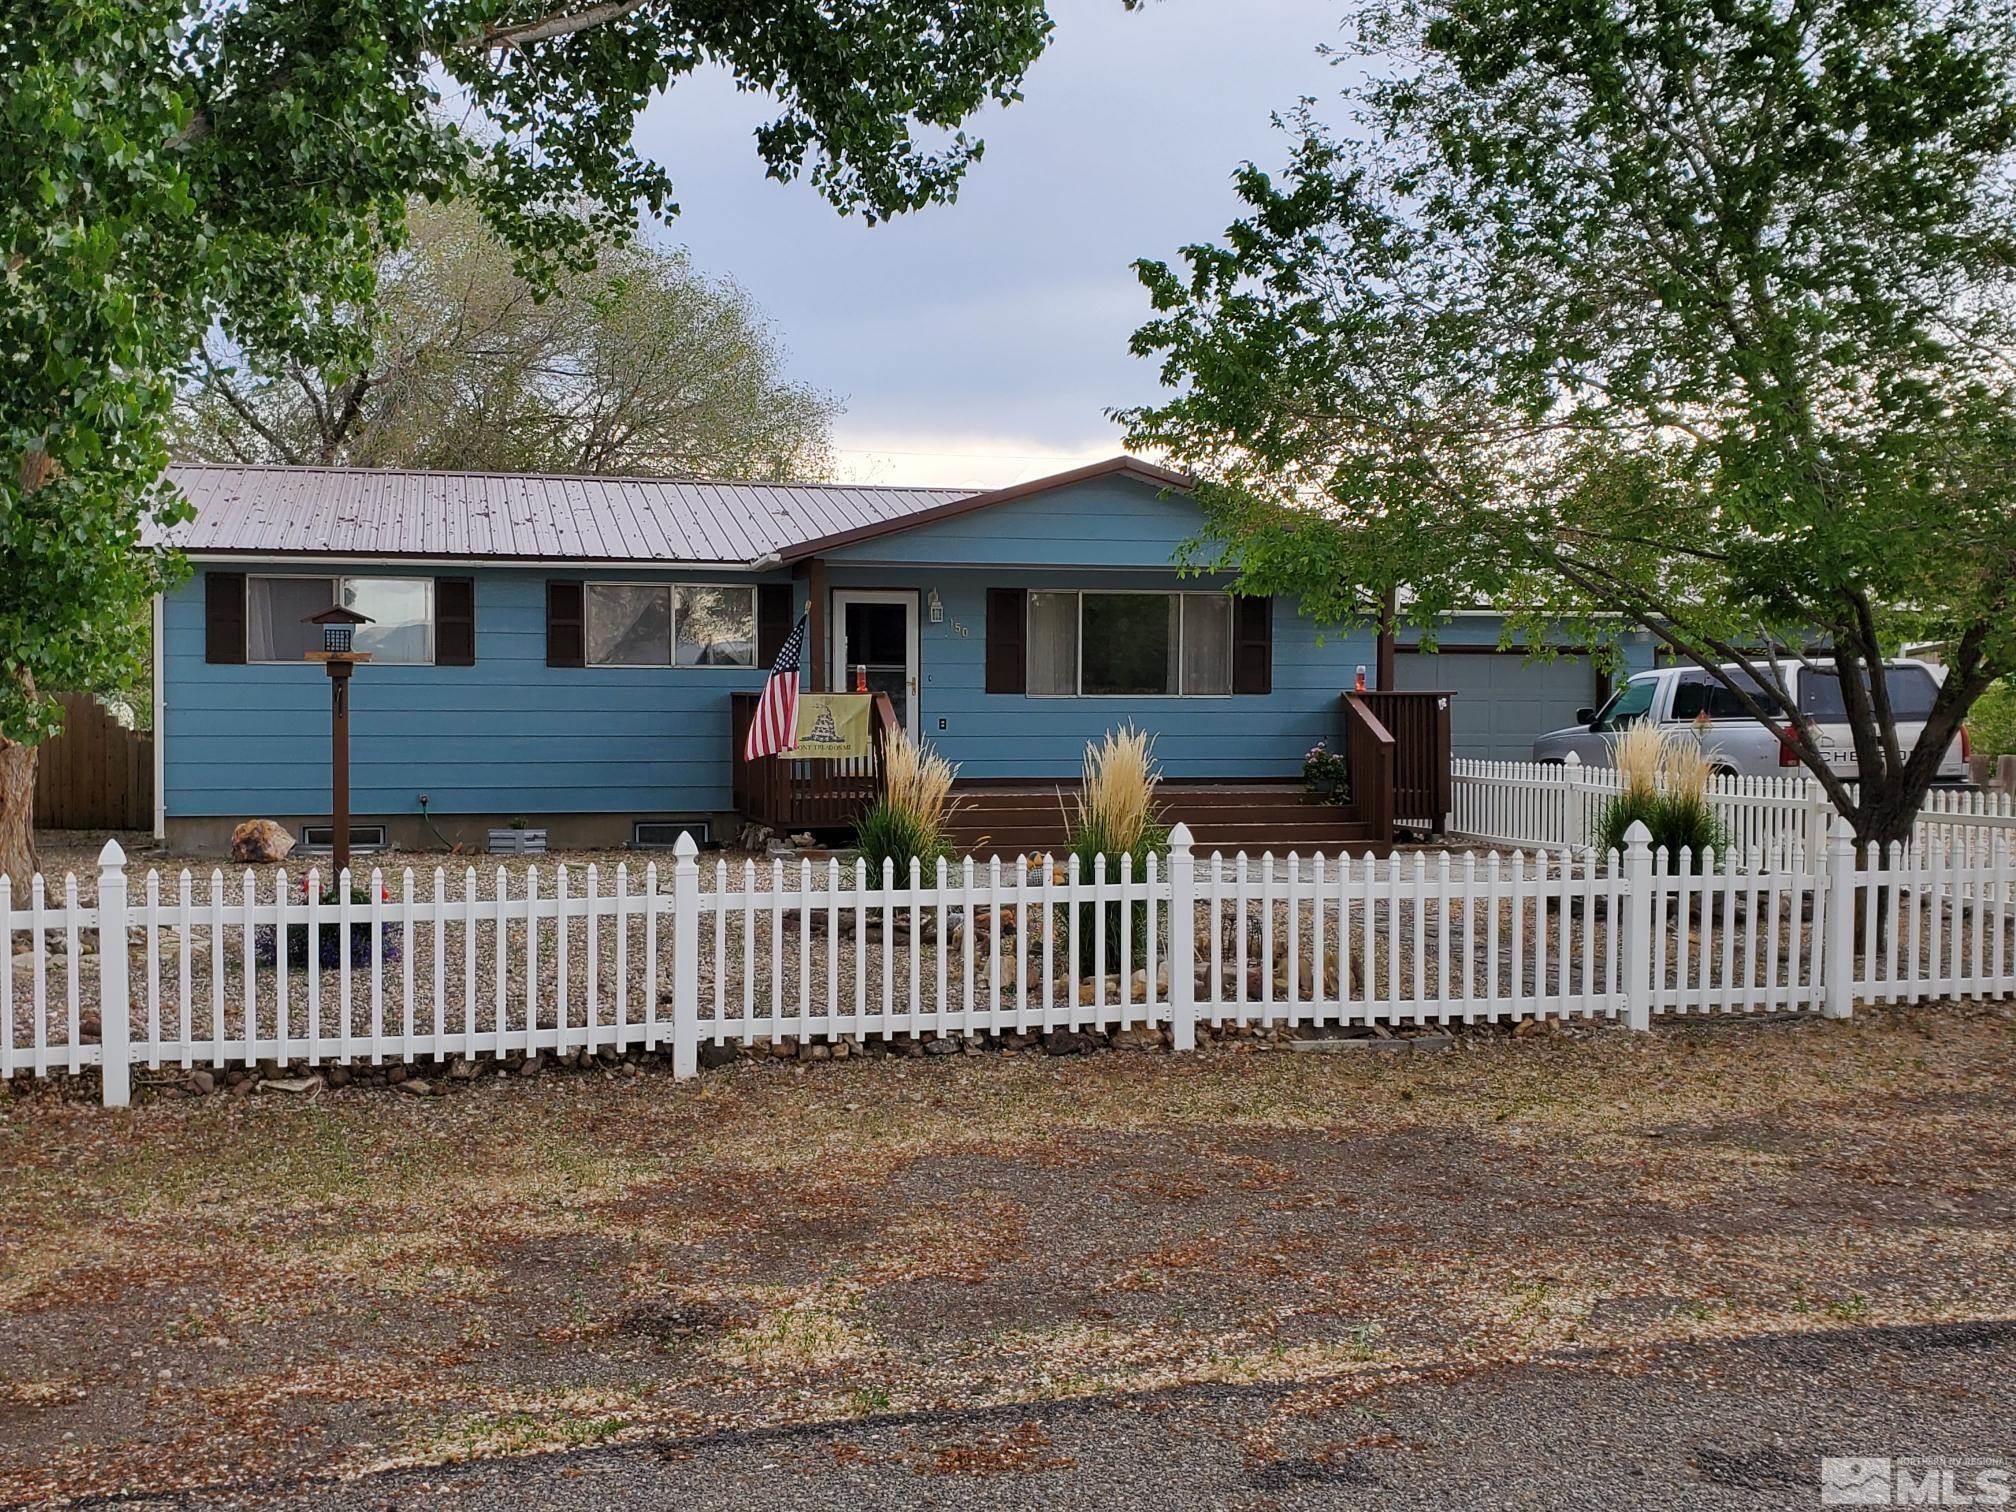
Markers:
{"x": 339, "y": 657}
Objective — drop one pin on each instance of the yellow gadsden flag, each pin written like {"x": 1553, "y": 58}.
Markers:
{"x": 831, "y": 726}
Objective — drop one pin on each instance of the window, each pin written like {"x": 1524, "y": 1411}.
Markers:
{"x": 659, "y": 625}
{"x": 275, "y": 609}
{"x": 402, "y": 618}
{"x": 1053, "y": 644}
{"x": 717, "y": 627}
{"x": 401, "y": 631}
{"x": 1632, "y": 703}
{"x": 1912, "y": 691}
{"x": 1142, "y": 645}
{"x": 1697, "y": 695}
{"x": 629, "y": 625}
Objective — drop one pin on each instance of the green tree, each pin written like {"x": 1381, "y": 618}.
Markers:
{"x": 640, "y": 365}
{"x": 179, "y": 165}
{"x": 1688, "y": 314}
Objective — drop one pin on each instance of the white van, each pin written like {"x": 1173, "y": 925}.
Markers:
{"x": 1737, "y": 744}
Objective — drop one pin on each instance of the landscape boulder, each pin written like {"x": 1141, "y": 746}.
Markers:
{"x": 260, "y": 841}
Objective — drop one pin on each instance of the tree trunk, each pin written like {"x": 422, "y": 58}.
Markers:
{"x": 1888, "y": 813}
{"x": 18, "y": 861}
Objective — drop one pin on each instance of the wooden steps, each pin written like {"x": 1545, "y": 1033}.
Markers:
{"x": 1014, "y": 818}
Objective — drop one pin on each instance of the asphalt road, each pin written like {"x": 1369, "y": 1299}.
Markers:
{"x": 1736, "y": 1425}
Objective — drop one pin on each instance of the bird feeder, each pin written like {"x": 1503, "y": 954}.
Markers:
{"x": 339, "y": 628}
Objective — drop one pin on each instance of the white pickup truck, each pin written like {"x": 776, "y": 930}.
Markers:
{"x": 1738, "y": 745}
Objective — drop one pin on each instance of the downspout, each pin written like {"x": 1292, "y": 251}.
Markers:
{"x": 160, "y": 730}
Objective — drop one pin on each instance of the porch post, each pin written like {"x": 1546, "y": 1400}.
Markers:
{"x": 1389, "y": 614}
{"x": 818, "y": 603}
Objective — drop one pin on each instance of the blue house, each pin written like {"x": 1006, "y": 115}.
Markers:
{"x": 568, "y": 650}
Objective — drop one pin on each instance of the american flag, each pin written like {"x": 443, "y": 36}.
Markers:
{"x": 775, "y": 727}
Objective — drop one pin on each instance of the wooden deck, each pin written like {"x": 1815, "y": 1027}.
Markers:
{"x": 1396, "y": 746}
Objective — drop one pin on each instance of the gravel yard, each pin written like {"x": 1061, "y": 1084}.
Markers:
{"x": 1238, "y": 1278}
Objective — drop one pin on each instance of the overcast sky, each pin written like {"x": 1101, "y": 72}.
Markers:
{"x": 980, "y": 343}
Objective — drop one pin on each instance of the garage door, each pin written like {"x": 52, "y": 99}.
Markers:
{"x": 1502, "y": 701}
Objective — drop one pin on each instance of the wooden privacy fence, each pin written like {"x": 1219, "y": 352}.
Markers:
{"x": 95, "y": 774}
{"x": 260, "y": 967}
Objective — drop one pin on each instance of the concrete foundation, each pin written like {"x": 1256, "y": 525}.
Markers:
{"x": 202, "y": 836}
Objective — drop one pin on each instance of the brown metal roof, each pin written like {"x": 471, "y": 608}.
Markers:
{"x": 341, "y": 511}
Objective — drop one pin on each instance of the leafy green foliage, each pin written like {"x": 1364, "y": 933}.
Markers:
{"x": 1993, "y": 722}
{"x": 1695, "y": 318}
{"x": 1678, "y": 821}
{"x": 1091, "y": 839}
{"x": 899, "y": 834}
{"x": 639, "y": 366}
{"x": 177, "y": 167}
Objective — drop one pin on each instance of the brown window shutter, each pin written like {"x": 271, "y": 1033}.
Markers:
{"x": 1007, "y": 640}
{"x": 773, "y": 620}
{"x": 1252, "y": 645}
{"x": 454, "y": 622}
{"x": 224, "y": 617}
{"x": 566, "y": 623}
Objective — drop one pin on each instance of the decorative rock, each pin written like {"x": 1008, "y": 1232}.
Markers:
{"x": 259, "y": 841}
{"x": 395, "y": 1074}
{"x": 461, "y": 1069}
{"x": 713, "y": 1057}
{"x": 1138, "y": 1037}
{"x": 200, "y": 1083}
{"x": 1069, "y": 1042}
{"x": 1344, "y": 1046}
{"x": 785, "y": 1048}
{"x": 840, "y": 1049}
{"x": 530, "y": 1065}
{"x": 297, "y": 1085}
{"x": 413, "y": 1086}
{"x": 815, "y": 1050}
{"x": 941, "y": 1047}
{"x": 337, "y": 1076}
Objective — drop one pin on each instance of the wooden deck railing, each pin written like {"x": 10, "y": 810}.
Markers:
{"x": 1368, "y": 751}
{"x": 1419, "y": 725}
{"x": 788, "y": 795}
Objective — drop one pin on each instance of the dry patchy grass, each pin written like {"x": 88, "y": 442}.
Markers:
{"x": 369, "y": 1280}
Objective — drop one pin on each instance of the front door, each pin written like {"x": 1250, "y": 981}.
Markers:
{"x": 876, "y": 633}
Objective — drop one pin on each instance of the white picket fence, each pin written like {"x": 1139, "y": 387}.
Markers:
{"x": 260, "y": 968}
{"x": 1561, "y": 805}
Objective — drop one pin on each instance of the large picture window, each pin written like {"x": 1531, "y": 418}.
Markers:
{"x": 666, "y": 625}
{"x": 1138, "y": 645}
{"x": 401, "y": 632}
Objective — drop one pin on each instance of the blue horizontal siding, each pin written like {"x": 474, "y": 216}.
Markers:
{"x": 508, "y": 735}
{"x": 512, "y": 735}
{"x": 1105, "y": 522}
{"x": 1010, "y": 735}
